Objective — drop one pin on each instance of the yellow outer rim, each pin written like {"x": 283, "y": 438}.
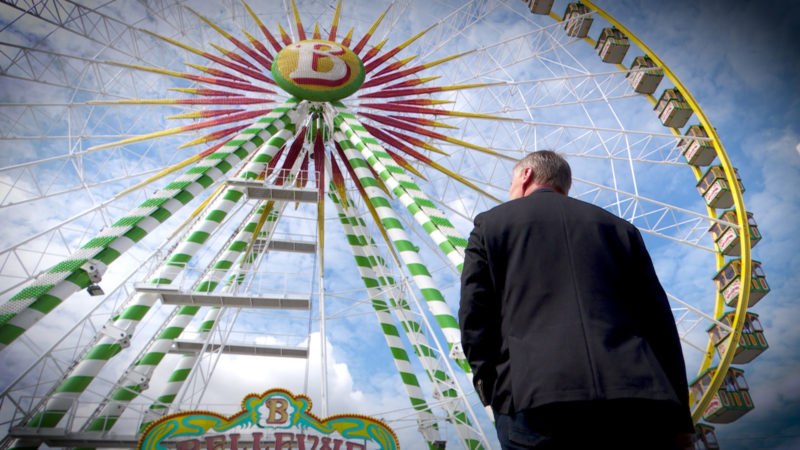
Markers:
{"x": 745, "y": 254}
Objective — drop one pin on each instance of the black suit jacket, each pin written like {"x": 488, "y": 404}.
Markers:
{"x": 560, "y": 302}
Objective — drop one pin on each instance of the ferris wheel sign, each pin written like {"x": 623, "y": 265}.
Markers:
{"x": 275, "y": 419}
{"x": 318, "y": 70}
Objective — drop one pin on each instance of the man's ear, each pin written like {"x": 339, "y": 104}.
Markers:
{"x": 527, "y": 177}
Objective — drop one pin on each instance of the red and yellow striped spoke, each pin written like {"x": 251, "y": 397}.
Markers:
{"x": 425, "y": 132}
{"x": 222, "y": 61}
{"x": 373, "y": 51}
{"x": 417, "y": 142}
{"x": 410, "y": 71}
{"x": 243, "y": 86}
{"x": 259, "y": 46}
{"x": 221, "y": 73}
{"x": 284, "y": 35}
{"x": 412, "y": 82}
{"x": 301, "y": 35}
{"x": 423, "y": 121}
{"x": 431, "y": 111}
{"x": 206, "y": 92}
{"x": 263, "y": 28}
{"x": 404, "y": 164}
{"x": 360, "y": 46}
{"x": 335, "y": 22}
{"x": 348, "y": 38}
{"x": 230, "y": 54}
{"x": 371, "y": 66}
{"x": 390, "y": 93}
{"x": 425, "y": 160}
{"x": 395, "y": 65}
{"x": 319, "y": 169}
{"x": 337, "y": 179}
{"x": 185, "y": 101}
{"x": 204, "y": 114}
{"x": 219, "y": 134}
{"x": 420, "y": 101}
{"x": 302, "y": 176}
{"x": 195, "y": 126}
{"x": 250, "y": 52}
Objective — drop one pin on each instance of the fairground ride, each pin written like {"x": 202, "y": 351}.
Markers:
{"x": 202, "y": 200}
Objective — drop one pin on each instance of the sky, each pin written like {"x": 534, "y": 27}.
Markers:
{"x": 740, "y": 62}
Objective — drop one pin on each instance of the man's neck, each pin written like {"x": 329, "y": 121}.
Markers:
{"x": 537, "y": 187}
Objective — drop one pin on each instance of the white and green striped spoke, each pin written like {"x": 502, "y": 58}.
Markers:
{"x": 196, "y": 238}
{"x": 139, "y": 374}
{"x": 373, "y": 271}
{"x": 179, "y": 375}
{"x": 425, "y": 212}
{"x": 92, "y": 363}
{"x": 87, "y": 369}
{"x": 365, "y": 262}
{"x": 136, "y": 378}
{"x": 184, "y": 366}
{"x": 51, "y": 288}
{"x": 369, "y": 258}
{"x": 407, "y": 251}
{"x": 221, "y": 206}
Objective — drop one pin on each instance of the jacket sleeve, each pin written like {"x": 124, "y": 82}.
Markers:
{"x": 478, "y": 314}
{"x": 661, "y": 332}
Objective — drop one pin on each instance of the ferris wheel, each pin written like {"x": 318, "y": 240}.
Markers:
{"x": 206, "y": 201}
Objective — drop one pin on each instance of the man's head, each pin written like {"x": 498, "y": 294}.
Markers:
{"x": 543, "y": 168}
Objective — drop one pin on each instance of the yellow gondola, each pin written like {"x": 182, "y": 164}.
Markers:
{"x": 697, "y": 152}
{"x": 575, "y": 25}
{"x": 727, "y": 236}
{"x": 751, "y": 343}
{"x": 713, "y": 186}
{"x": 644, "y": 75}
{"x": 704, "y": 437}
{"x": 728, "y": 282}
{"x": 731, "y": 401}
{"x": 672, "y": 109}
{"x": 540, "y": 6}
{"x": 612, "y": 45}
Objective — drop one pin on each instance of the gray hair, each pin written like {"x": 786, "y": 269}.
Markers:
{"x": 549, "y": 168}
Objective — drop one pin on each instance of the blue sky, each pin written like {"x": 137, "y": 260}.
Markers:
{"x": 741, "y": 62}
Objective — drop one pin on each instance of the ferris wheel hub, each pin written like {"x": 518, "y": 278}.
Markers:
{"x": 318, "y": 70}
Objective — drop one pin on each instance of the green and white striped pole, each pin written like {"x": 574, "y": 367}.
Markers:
{"x": 144, "y": 367}
{"x": 374, "y": 272}
{"x": 184, "y": 366}
{"x": 179, "y": 375}
{"x": 136, "y": 378}
{"x": 122, "y": 327}
{"x": 48, "y": 290}
{"x": 406, "y": 250}
{"x": 425, "y": 418}
{"x": 405, "y": 189}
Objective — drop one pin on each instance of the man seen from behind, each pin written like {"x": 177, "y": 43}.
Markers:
{"x": 564, "y": 322}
